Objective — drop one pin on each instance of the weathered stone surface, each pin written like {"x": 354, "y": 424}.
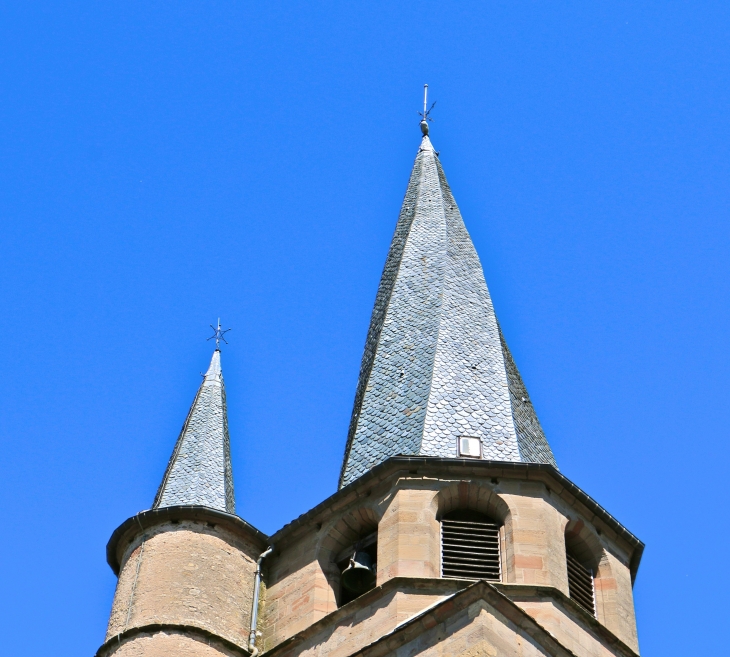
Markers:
{"x": 364, "y": 625}
{"x": 411, "y": 616}
{"x": 564, "y": 626}
{"x": 614, "y": 599}
{"x": 408, "y": 536}
{"x": 478, "y": 631}
{"x": 301, "y": 600}
{"x": 298, "y": 591}
{"x": 186, "y": 574}
{"x": 169, "y": 644}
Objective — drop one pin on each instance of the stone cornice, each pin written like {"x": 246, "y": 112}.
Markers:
{"x": 191, "y": 631}
{"x": 462, "y": 593}
{"x": 360, "y": 488}
{"x": 132, "y": 527}
{"x": 430, "y": 585}
{"x": 429, "y": 618}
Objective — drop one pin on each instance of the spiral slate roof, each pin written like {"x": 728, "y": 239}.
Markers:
{"x": 435, "y": 365}
{"x": 199, "y": 471}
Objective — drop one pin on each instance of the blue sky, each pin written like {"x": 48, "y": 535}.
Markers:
{"x": 167, "y": 163}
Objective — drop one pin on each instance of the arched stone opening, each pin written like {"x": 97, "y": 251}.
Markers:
{"x": 611, "y": 579}
{"x": 356, "y": 530}
{"x": 475, "y": 525}
{"x": 472, "y": 496}
{"x": 584, "y": 544}
{"x": 584, "y": 562}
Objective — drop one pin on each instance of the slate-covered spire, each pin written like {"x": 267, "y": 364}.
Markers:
{"x": 436, "y": 366}
{"x": 199, "y": 471}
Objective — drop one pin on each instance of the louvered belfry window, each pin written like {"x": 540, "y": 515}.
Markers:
{"x": 470, "y": 546}
{"x": 580, "y": 584}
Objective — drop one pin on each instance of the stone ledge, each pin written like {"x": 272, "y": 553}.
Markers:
{"x": 414, "y": 627}
{"x": 455, "y": 588}
{"x": 535, "y": 592}
{"x": 156, "y": 628}
{"x": 130, "y": 528}
{"x": 430, "y": 585}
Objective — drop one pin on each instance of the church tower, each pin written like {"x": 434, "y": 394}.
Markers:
{"x": 186, "y": 567}
{"x": 452, "y": 531}
{"x": 449, "y": 492}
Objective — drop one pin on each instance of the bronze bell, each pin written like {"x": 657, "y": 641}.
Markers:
{"x": 359, "y": 575}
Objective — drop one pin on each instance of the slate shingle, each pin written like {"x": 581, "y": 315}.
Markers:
{"x": 435, "y": 364}
{"x": 199, "y": 471}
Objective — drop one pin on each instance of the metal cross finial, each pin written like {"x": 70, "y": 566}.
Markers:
{"x": 218, "y": 334}
{"x": 425, "y": 118}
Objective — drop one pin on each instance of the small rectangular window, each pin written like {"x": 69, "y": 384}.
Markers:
{"x": 470, "y": 446}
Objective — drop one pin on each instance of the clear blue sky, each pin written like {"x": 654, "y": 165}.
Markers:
{"x": 167, "y": 163}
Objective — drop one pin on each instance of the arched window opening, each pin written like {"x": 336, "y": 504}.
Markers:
{"x": 358, "y": 567}
{"x": 470, "y": 546}
{"x": 580, "y": 583}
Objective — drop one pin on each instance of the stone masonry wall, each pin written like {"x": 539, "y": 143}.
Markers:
{"x": 614, "y": 599}
{"x": 566, "y": 630}
{"x": 409, "y": 537}
{"x": 298, "y": 592}
{"x": 187, "y": 573}
{"x": 478, "y": 631}
{"x": 534, "y": 536}
{"x": 364, "y": 625}
{"x": 301, "y": 577}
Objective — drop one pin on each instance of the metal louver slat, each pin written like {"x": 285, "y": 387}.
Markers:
{"x": 580, "y": 584}
{"x": 470, "y": 550}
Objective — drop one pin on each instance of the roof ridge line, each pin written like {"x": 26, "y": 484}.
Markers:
{"x": 441, "y": 301}
{"x": 354, "y": 420}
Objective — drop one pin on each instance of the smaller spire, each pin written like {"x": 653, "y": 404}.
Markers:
{"x": 199, "y": 471}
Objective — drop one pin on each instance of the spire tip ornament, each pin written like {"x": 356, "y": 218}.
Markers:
{"x": 218, "y": 334}
{"x": 426, "y": 111}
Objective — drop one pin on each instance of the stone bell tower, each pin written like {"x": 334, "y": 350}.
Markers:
{"x": 452, "y": 531}
{"x": 449, "y": 491}
{"x": 186, "y": 566}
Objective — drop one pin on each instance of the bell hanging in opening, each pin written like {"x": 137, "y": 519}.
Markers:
{"x": 359, "y": 575}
